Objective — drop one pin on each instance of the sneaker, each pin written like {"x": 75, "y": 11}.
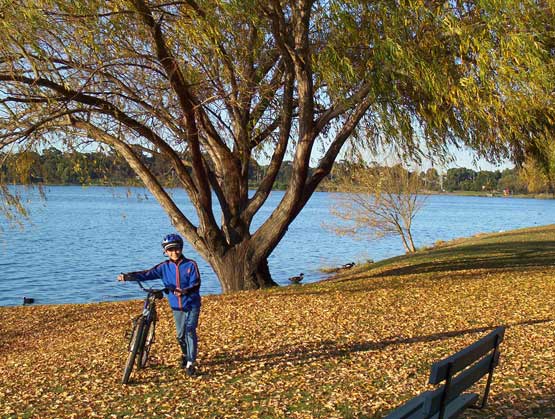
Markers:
{"x": 191, "y": 371}
{"x": 183, "y": 361}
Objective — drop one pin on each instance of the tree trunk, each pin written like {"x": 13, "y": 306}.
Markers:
{"x": 262, "y": 275}
{"x": 411, "y": 241}
{"x": 236, "y": 272}
{"x": 406, "y": 238}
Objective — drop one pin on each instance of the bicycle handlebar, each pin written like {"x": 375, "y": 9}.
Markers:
{"x": 165, "y": 290}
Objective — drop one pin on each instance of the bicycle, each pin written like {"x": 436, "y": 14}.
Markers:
{"x": 142, "y": 334}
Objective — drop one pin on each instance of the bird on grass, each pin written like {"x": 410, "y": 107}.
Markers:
{"x": 348, "y": 265}
{"x": 297, "y": 279}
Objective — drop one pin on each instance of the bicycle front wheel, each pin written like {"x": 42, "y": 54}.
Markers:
{"x": 134, "y": 348}
{"x": 148, "y": 341}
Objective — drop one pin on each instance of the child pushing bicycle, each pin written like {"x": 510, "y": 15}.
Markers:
{"x": 182, "y": 277}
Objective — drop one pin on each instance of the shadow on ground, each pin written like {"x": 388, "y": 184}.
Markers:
{"x": 508, "y": 255}
{"x": 526, "y": 405}
{"x": 297, "y": 354}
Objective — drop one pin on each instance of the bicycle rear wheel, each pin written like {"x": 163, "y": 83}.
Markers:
{"x": 148, "y": 340}
{"x": 134, "y": 348}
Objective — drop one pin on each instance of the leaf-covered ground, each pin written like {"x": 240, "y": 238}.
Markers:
{"x": 352, "y": 347}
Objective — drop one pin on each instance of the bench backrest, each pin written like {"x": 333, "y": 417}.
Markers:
{"x": 466, "y": 356}
{"x": 462, "y": 370}
{"x": 459, "y": 372}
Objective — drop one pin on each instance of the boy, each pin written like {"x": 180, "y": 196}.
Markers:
{"x": 182, "y": 277}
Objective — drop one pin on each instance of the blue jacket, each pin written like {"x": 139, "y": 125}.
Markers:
{"x": 183, "y": 274}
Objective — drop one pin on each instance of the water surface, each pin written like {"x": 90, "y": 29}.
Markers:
{"x": 82, "y": 238}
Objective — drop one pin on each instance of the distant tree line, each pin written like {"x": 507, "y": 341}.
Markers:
{"x": 52, "y": 166}
{"x": 526, "y": 179}
{"x": 462, "y": 179}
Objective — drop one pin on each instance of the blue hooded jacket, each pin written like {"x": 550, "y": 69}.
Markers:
{"x": 183, "y": 274}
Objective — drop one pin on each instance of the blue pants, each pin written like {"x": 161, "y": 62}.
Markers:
{"x": 186, "y": 326}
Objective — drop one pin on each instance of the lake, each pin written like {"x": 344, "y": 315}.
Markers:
{"x": 81, "y": 238}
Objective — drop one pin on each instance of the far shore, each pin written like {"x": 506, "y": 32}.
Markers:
{"x": 488, "y": 194}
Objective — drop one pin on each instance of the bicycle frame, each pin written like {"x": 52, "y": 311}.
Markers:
{"x": 149, "y": 306}
{"x": 143, "y": 331}
{"x": 148, "y": 314}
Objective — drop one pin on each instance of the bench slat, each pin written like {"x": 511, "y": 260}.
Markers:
{"x": 460, "y": 371}
{"x": 412, "y": 409}
{"x": 460, "y": 383}
{"x": 466, "y": 356}
{"x": 456, "y": 407}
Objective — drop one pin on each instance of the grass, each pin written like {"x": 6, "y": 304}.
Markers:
{"x": 354, "y": 346}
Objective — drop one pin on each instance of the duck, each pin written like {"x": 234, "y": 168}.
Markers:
{"x": 348, "y": 265}
{"x": 297, "y": 279}
{"x": 28, "y": 300}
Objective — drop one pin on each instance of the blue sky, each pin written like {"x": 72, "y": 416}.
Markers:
{"x": 466, "y": 158}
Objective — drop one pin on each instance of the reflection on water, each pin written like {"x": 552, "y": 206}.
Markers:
{"x": 81, "y": 238}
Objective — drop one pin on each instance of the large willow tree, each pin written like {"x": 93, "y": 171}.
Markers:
{"x": 210, "y": 85}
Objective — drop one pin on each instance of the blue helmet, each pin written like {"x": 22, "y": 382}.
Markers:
{"x": 172, "y": 240}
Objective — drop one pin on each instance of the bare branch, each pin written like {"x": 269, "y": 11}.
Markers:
{"x": 382, "y": 201}
{"x": 267, "y": 183}
{"x": 326, "y": 163}
{"x": 153, "y": 185}
{"x": 46, "y": 123}
{"x": 343, "y": 107}
{"x": 189, "y": 105}
{"x": 103, "y": 106}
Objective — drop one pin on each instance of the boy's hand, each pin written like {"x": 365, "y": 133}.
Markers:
{"x": 121, "y": 277}
{"x": 178, "y": 292}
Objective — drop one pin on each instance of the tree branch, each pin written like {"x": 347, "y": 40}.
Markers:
{"x": 338, "y": 110}
{"x": 326, "y": 163}
{"x": 186, "y": 99}
{"x": 177, "y": 218}
{"x": 103, "y": 106}
{"x": 267, "y": 183}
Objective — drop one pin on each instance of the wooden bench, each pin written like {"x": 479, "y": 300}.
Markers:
{"x": 459, "y": 372}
